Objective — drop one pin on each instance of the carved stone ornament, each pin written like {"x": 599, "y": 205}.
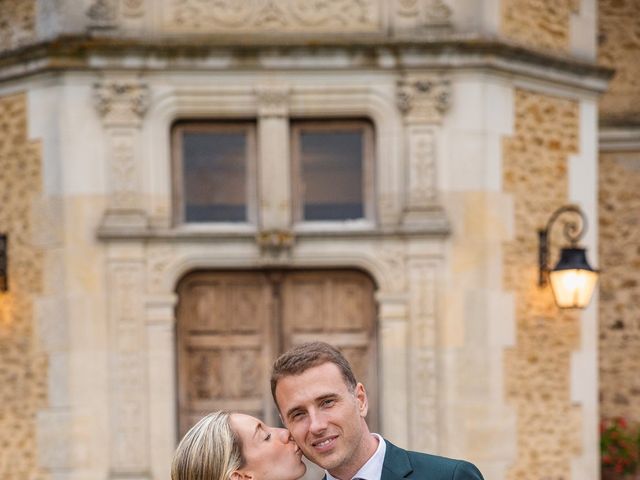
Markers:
{"x": 275, "y": 239}
{"x": 132, "y": 8}
{"x": 273, "y": 101}
{"x": 393, "y": 260}
{"x": 275, "y": 246}
{"x": 438, "y": 13}
{"x": 102, "y": 13}
{"x": 423, "y": 98}
{"x": 408, "y": 8}
{"x": 121, "y": 103}
{"x": 422, "y": 166}
{"x": 123, "y": 171}
{"x": 285, "y": 15}
{"x": 428, "y": 13}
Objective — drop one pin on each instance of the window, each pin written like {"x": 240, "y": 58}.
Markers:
{"x": 332, "y": 168}
{"x": 214, "y": 172}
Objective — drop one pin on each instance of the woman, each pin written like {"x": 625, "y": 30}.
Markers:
{"x": 234, "y": 446}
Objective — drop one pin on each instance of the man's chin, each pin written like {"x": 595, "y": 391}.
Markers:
{"x": 322, "y": 462}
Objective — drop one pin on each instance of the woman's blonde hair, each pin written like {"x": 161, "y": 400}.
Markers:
{"x": 211, "y": 450}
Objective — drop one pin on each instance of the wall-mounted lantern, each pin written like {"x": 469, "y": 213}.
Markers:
{"x": 4, "y": 279}
{"x": 572, "y": 279}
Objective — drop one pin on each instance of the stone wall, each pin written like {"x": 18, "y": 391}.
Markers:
{"x": 17, "y": 23}
{"x": 542, "y": 24}
{"x": 538, "y": 368}
{"x": 23, "y": 367}
{"x": 619, "y": 47}
{"x": 619, "y": 214}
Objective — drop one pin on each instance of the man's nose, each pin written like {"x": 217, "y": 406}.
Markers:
{"x": 317, "y": 423}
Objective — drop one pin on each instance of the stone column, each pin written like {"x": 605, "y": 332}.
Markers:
{"x": 274, "y": 169}
{"x": 122, "y": 104}
{"x": 422, "y": 99}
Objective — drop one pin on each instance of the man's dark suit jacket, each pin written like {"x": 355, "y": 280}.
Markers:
{"x": 400, "y": 464}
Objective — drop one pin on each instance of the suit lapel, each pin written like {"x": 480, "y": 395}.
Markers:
{"x": 396, "y": 463}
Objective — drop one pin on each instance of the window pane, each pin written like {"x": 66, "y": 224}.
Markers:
{"x": 215, "y": 176}
{"x": 331, "y": 167}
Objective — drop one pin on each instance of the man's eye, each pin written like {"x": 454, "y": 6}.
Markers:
{"x": 297, "y": 416}
{"x": 267, "y": 437}
{"x": 328, "y": 403}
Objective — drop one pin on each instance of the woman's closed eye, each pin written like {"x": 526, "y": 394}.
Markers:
{"x": 267, "y": 437}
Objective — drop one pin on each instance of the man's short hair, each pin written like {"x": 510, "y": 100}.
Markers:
{"x": 301, "y": 358}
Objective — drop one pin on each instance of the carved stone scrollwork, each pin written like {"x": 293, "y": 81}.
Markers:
{"x": 423, "y": 98}
{"x": 412, "y": 15}
{"x": 106, "y": 13}
{"x": 121, "y": 103}
{"x": 288, "y": 15}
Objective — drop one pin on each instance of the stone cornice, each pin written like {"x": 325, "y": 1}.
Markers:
{"x": 621, "y": 139}
{"x": 439, "y": 228}
{"x": 78, "y": 53}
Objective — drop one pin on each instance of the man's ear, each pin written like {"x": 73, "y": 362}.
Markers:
{"x": 363, "y": 401}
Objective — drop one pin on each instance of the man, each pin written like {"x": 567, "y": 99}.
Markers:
{"x": 324, "y": 408}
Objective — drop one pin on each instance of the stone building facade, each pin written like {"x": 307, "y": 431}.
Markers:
{"x": 479, "y": 119}
{"x": 619, "y": 211}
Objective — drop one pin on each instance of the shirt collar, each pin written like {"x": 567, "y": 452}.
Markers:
{"x": 372, "y": 469}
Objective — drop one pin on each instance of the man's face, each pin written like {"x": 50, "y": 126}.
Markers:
{"x": 326, "y": 419}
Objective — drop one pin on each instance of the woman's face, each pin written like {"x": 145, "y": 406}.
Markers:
{"x": 269, "y": 452}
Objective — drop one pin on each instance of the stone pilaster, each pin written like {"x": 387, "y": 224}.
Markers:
{"x": 122, "y": 104}
{"x": 422, "y": 355}
{"x": 423, "y": 99}
{"x": 129, "y": 439}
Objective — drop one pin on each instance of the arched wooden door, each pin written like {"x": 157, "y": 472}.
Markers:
{"x": 232, "y": 325}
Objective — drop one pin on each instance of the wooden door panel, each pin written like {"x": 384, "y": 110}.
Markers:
{"x": 224, "y": 323}
{"x": 352, "y": 306}
{"x": 307, "y": 299}
{"x": 232, "y": 325}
